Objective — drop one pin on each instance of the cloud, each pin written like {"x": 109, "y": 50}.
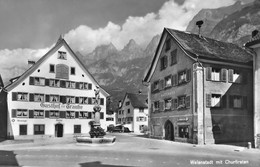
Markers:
{"x": 141, "y": 29}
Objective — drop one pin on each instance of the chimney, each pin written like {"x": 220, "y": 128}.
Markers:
{"x": 254, "y": 33}
{"x": 199, "y": 23}
{"x": 30, "y": 63}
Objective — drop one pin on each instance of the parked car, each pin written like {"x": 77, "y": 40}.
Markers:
{"x": 118, "y": 129}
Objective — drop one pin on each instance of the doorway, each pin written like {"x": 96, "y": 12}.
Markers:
{"x": 58, "y": 130}
{"x": 169, "y": 131}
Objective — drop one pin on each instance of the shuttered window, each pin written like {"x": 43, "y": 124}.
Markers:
{"x": 174, "y": 57}
{"x": 164, "y": 62}
{"x": 62, "y": 71}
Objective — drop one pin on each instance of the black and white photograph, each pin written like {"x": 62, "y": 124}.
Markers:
{"x": 129, "y": 83}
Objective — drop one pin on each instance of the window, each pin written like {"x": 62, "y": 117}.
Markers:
{"x": 62, "y": 71}
{"x": 62, "y": 55}
{"x": 70, "y": 84}
{"x": 70, "y": 99}
{"x": 167, "y": 45}
{"x": 168, "y": 81}
{"x": 164, "y": 62}
{"x": 52, "y": 68}
{"x": 54, "y": 114}
{"x": 83, "y": 114}
{"x": 216, "y": 74}
{"x": 155, "y": 86}
{"x": 174, "y": 57}
{"x": 128, "y": 111}
{"x": 38, "y": 97}
{"x": 141, "y": 119}
{"x": 215, "y": 100}
{"x": 141, "y": 110}
{"x": 81, "y": 85}
{"x": 72, "y": 71}
{"x": 77, "y": 128}
{"x": 21, "y": 96}
{"x": 184, "y": 131}
{"x": 127, "y": 103}
{"x": 141, "y": 127}
{"x": 234, "y": 76}
{"x": 181, "y": 102}
{"x": 168, "y": 104}
{"x": 81, "y": 100}
{"x": 175, "y": 104}
{"x": 70, "y": 114}
{"x": 38, "y": 114}
{"x": 156, "y": 105}
{"x": 39, "y": 81}
{"x": 39, "y": 129}
{"x": 184, "y": 76}
{"x": 54, "y": 98}
{"x": 54, "y": 83}
{"x": 22, "y": 113}
{"x": 236, "y": 101}
{"x": 23, "y": 129}
{"x": 109, "y": 119}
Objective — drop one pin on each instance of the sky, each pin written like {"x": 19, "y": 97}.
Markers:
{"x": 29, "y": 28}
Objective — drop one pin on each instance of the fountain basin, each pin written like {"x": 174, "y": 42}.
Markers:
{"x": 86, "y": 140}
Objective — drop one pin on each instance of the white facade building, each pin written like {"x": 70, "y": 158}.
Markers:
{"x": 54, "y": 97}
{"x": 133, "y": 112}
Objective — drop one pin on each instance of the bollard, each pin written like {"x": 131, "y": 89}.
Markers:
{"x": 249, "y": 145}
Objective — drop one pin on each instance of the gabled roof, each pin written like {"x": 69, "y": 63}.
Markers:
{"x": 137, "y": 100}
{"x": 60, "y": 42}
{"x": 1, "y": 82}
{"x": 253, "y": 41}
{"x": 196, "y": 46}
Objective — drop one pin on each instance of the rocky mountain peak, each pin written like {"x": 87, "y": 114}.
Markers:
{"x": 131, "y": 46}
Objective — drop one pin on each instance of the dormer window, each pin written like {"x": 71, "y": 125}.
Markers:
{"x": 62, "y": 55}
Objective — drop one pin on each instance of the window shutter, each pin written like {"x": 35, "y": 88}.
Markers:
{"x": 208, "y": 73}
{"x": 47, "y": 98}
{"x": 89, "y": 115}
{"x": 76, "y": 114}
{"x": 244, "y": 77}
{"x": 14, "y": 113}
{"x": 230, "y": 75}
{"x": 63, "y": 99}
{"x": 76, "y": 100}
{"x": 187, "y": 101}
{"x": 31, "y": 97}
{"x": 77, "y": 85}
{"x": 102, "y": 101}
{"x": 31, "y": 113}
{"x": 47, "y": 82}
{"x": 63, "y": 84}
{"x": 14, "y": 96}
{"x": 151, "y": 109}
{"x": 161, "y": 106}
{"x": 175, "y": 80}
{"x": 89, "y": 100}
{"x": 244, "y": 102}
{"x": 208, "y": 100}
{"x": 224, "y": 101}
{"x": 165, "y": 61}
{"x": 47, "y": 114}
{"x": 161, "y": 84}
{"x": 89, "y": 86}
{"x": 224, "y": 75}
{"x": 65, "y": 72}
{"x": 62, "y": 114}
{"x": 231, "y": 101}
{"x": 188, "y": 75}
{"x": 31, "y": 81}
{"x": 101, "y": 115}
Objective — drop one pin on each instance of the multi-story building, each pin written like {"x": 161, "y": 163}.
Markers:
{"x": 133, "y": 112}
{"x": 54, "y": 97}
{"x": 200, "y": 90}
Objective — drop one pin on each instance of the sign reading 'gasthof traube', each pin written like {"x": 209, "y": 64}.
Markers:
{"x": 60, "y": 106}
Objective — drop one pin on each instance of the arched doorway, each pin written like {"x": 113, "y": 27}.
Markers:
{"x": 58, "y": 130}
{"x": 169, "y": 131}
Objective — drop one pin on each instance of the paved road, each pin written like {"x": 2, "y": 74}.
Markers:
{"x": 129, "y": 150}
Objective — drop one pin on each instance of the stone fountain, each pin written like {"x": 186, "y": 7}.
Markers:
{"x": 97, "y": 134}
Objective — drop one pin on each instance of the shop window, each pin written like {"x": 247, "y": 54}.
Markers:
{"x": 70, "y": 114}
{"x": 39, "y": 129}
{"x": 54, "y": 83}
{"x": 184, "y": 131}
{"x": 168, "y": 81}
{"x": 174, "y": 57}
{"x": 54, "y": 114}
{"x": 168, "y": 104}
{"x": 77, "y": 128}
{"x": 164, "y": 62}
{"x": 62, "y": 55}
{"x": 38, "y": 114}
{"x": 72, "y": 71}
{"x": 83, "y": 114}
{"x": 22, "y": 113}
{"x": 22, "y": 129}
{"x": 52, "y": 68}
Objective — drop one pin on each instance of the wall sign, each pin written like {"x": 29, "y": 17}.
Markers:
{"x": 185, "y": 119}
{"x": 60, "y": 106}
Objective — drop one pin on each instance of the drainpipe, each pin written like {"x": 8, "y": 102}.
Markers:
{"x": 203, "y": 91}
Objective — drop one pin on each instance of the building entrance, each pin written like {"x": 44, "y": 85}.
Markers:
{"x": 58, "y": 130}
{"x": 169, "y": 131}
